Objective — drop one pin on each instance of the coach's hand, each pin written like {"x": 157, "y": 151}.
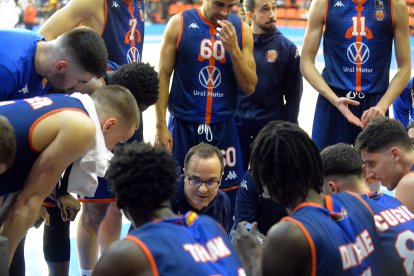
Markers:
{"x": 163, "y": 138}
{"x": 69, "y": 207}
{"x": 342, "y": 104}
{"x": 248, "y": 247}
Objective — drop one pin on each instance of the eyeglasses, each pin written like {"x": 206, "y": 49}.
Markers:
{"x": 197, "y": 182}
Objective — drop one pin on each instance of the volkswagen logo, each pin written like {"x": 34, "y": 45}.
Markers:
{"x": 358, "y": 53}
{"x": 133, "y": 55}
{"x": 210, "y": 77}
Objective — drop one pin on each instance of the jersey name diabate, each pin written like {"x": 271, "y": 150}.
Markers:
{"x": 204, "y": 88}
{"x": 357, "y": 45}
{"x": 24, "y": 115}
{"x": 124, "y": 30}
{"x": 395, "y": 226}
{"x": 187, "y": 245}
{"x": 342, "y": 236}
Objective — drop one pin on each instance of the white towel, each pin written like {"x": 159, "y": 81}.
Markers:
{"x": 83, "y": 178}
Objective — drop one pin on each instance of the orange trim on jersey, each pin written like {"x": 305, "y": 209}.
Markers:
{"x": 362, "y": 201}
{"x": 103, "y": 81}
{"x": 35, "y": 123}
{"x": 147, "y": 253}
{"x": 97, "y": 200}
{"x": 392, "y": 13}
{"x": 231, "y": 188}
{"x": 328, "y": 202}
{"x": 326, "y": 11}
{"x": 105, "y": 16}
{"x": 48, "y": 204}
{"x": 310, "y": 241}
{"x": 306, "y": 204}
{"x": 205, "y": 19}
{"x": 181, "y": 30}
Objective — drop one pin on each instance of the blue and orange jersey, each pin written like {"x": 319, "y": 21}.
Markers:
{"x": 204, "y": 88}
{"x": 357, "y": 45}
{"x": 342, "y": 236}
{"x": 30, "y": 113}
{"x": 395, "y": 226}
{"x": 403, "y": 105}
{"x": 187, "y": 245}
{"x": 18, "y": 76}
{"x": 123, "y": 32}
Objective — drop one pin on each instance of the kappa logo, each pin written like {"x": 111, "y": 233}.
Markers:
{"x": 24, "y": 90}
{"x": 231, "y": 175}
{"x": 209, "y": 77}
{"x": 193, "y": 26}
{"x": 243, "y": 185}
{"x": 133, "y": 55}
{"x": 339, "y": 4}
{"x": 115, "y": 4}
{"x": 358, "y": 53}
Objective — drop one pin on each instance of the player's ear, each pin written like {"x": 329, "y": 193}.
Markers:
{"x": 333, "y": 187}
{"x": 395, "y": 153}
{"x": 61, "y": 66}
{"x": 109, "y": 124}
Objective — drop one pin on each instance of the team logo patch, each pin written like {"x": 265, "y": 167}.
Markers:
{"x": 133, "y": 55}
{"x": 44, "y": 83}
{"x": 379, "y": 15}
{"x": 139, "y": 4}
{"x": 209, "y": 77}
{"x": 141, "y": 14}
{"x": 271, "y": 56}
{"x": 358, "y": 53}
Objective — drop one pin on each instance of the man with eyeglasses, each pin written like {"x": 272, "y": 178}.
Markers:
{"x": 198, "y": 188}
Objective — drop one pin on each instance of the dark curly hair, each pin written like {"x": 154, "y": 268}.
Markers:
{"x": 141, "y": 79}
{"x": 142, "y": 177}
{"x": 341, "y": 160}
{"x": 382, "y": 133}
{"x": 286, "y": 161}
{"x": 87, "y": 48}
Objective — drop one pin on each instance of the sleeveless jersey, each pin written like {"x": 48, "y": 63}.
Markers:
{"x": 395, "y": 226}
{"x": 204, "y": 88}
{"x": 335, "y": 234}
{"x": 187, "y": 245}
{"x": 30, "y": 113}
{"x": 18, "y": 77}
{"x": 357, "y": 45}
{"x": 124, "y": 30}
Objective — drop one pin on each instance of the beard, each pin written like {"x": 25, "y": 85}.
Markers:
{"x": 267, "y": 29}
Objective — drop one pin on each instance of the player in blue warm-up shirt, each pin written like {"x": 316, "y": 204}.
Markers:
{"x": 30, "y": 66}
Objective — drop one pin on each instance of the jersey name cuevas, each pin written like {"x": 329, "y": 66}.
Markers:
{"x": 395, "y": 226}
{"x": 24, "y": 115}
{"x": 124, "y": 30}
{"x": 357, "y": 45}
{"x": 204, "y": 88}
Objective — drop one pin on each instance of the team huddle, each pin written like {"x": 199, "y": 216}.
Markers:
{"x": 232, "y": 184}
